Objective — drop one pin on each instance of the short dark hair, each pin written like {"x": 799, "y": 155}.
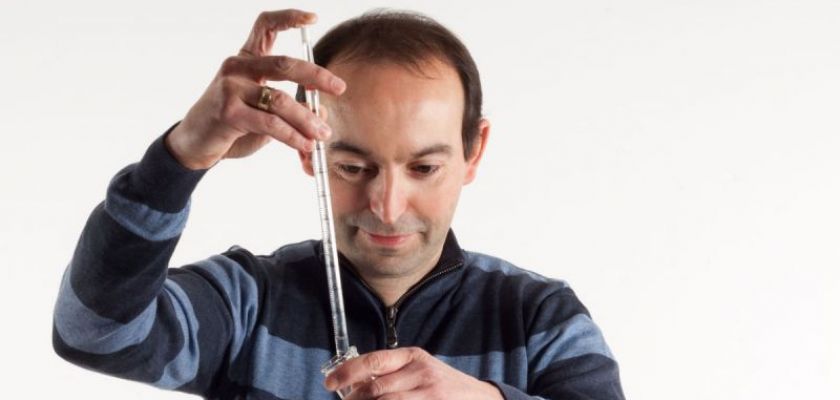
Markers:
{"x": 405, "y": 38}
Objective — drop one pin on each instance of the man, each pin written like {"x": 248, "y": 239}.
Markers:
{"x": 433, "y": 321}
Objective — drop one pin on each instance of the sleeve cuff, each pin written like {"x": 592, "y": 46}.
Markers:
{"x": 159, "y": 180}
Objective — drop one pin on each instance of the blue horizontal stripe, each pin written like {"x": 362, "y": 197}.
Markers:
{"x": 83, "y": 329}
{"x": 143, "y": 221}
{"x": 575, "y": 337}
{"x": 287, "y": 370}
{"x": 496, "y": 366}
{"x": 489, "y": 263}
{"x": 240, "y": 289}
{"x": 184, "y": 367}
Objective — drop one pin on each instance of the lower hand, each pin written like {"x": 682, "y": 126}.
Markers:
{"x": 406, "y": 373}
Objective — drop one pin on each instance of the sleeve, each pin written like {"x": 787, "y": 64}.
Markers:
{"x": 123, "y": 312}
{"x": 568, "y": 356}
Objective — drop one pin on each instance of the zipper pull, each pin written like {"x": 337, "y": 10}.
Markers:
{"x": 392, "y": 327}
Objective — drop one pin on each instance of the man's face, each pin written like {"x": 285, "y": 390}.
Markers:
{"x": 396, "y": 164}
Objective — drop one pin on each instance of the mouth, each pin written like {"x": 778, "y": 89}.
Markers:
{"x": 385, "y": 240}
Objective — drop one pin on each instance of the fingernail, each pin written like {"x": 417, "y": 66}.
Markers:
{"x": 324, "y": 131}
{"x": 329, "y": 384}
{"x": 339, "y": 85}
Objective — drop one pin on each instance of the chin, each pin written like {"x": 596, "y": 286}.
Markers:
{"x": 384, "y": 260}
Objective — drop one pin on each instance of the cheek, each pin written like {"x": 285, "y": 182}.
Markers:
{"x": 346, "y": 198}
{"x": 438, "y": 203}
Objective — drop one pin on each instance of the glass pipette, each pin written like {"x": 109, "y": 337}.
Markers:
{"x": 343, "y": 349}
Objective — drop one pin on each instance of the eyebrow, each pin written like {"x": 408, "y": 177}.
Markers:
{"x": 340, "y": 145}
{"x": 433, "y": 149}
{"x": 348, "y": 148}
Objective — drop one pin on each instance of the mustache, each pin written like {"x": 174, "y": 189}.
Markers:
{"x": 369, "y": 222}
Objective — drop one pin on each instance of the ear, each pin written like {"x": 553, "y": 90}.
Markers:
{"x": 306, "y": 162}
{"x": 478, "y": 147}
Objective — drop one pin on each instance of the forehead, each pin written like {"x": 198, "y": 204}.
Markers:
{"x": 394, "y": 111}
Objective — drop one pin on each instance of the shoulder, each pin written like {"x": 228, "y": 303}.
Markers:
{"x": 239, "y": 265}
{"x": 491, "y": 264}
{"x": 519, "y": 287}
{"x": 285, "y": 255}
{"x": 549, "y": 307}
{"x": 497, "y": 271}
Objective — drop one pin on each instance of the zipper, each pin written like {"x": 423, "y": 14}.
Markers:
{"x": 391, "y": 333}
{"x": 391, "y": 312}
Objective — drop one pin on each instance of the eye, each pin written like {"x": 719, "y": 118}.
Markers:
{"x": 350, "y": 169}
{"x": 354, "y": 172}
{"x": 425, "y": 169}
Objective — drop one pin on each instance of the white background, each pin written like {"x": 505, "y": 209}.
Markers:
{"x": 675, "y": 161}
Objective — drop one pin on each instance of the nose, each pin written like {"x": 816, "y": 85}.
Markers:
{"x": 387, "y": 195}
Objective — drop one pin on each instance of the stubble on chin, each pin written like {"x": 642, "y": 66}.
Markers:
{"x": 383, "y": 262}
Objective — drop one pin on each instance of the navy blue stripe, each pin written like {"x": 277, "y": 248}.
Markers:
{"x": 168, "y": 357}
{"x": 158, "y": 180}
{"x": 586, "y": 377}
{"x": 239, "y": 289}
{"x": 81, "y": 328}
{"x": 117, "y": 282}
{"x": 513, "y": 392}
{"x": 143, "y": 221}
{"x": 556, "y": 308}
{"x": 183, "y": 368}
{"x": 498, "y": 307}
{"x": 144, "y": 362}
{"x": 226, "y": 298}
{"x": 214, "y": 319}
{"x": 309, "y": 292}
{"x": 574, "y": 337}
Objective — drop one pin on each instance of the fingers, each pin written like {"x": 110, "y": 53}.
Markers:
{"x": 401, "y": 381}
{"x": 247, "y": 119}
{"x": 377, "y": 363}
{"x": 267, "y": 25}
{"x": 323, "y": 113}
{"x": 285, "y": 120}
{"x": 283, "y": 68}
{"x": 287, "y": 108}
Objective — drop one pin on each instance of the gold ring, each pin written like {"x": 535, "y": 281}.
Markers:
{"x": 265, "y": 98}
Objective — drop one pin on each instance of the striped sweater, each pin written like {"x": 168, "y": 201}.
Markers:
{"x": 240, "y": 326}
